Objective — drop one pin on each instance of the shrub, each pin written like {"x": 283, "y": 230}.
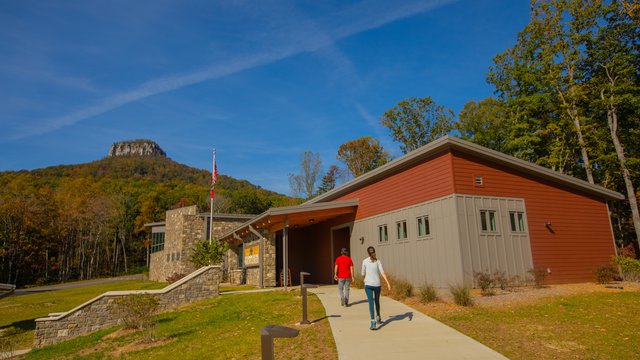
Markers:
{"x": 428, "y": 293}
{"x": 400, "y": 288}
{"x": 605, "y": 274}
{"x": 136, "y": 310}
{"x": 175, "y": 277}
{"x": 500, "y": 278}
{"x": 461, "y": 295}
{"x": 538, "y": 274}
{"x": 514, "y": 281}
{"x": 358, "y": 283}
{"x": 484, "y": 281}
{"x": 205, "y": 254}
{"x": 630, "y": 268}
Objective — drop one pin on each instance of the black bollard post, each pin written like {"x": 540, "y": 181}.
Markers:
{"x": 304, "y": 302}
{"x": 268, "y": 333}
{"x": 302, "y": 275}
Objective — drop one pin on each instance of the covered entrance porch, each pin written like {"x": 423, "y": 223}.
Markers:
{"x": 275, "y": 246}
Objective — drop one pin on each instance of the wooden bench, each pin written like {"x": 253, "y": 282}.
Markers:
{"x": 6, "y": 289}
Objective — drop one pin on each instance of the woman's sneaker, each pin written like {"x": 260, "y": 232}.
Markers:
{"x": 379, "y": 320}
{"x": 373, "y": 325}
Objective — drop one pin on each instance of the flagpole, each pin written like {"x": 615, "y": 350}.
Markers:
{"x": 213, "y": 174}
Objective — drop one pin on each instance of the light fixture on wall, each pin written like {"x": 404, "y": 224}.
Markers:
{"x": 312, "y": 220}
{"x": 361, "y": 240}
{"x": 548, "y": 226}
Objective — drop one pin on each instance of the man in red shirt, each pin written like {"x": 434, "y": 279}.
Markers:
{"x": 343, "y": 273}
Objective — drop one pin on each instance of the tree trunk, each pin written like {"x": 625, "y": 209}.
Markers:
{"x": 612, "y": 120}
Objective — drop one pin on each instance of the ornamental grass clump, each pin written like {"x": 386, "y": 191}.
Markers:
{"x": 358, "y": 282}
{"x": 485, "y": 282}
{"x": 428, "y": 293}
{"x": 400, "y": 288}
{"x": 539, "y": 275}
{"x": 461, "y": 295}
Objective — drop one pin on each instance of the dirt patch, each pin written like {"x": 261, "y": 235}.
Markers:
{"x": 142, "y": 345}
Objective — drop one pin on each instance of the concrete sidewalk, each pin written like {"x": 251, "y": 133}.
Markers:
{"x": 405, "y": 334}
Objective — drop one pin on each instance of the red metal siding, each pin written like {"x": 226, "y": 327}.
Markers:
{"x": 581, "y": 240}
{"x": 425, "y": 181}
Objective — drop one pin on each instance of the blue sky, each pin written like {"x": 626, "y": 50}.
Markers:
{"x": 261, "y": 81}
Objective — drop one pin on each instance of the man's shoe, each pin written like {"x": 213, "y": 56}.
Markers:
{"x": 373, "y": 325}
{"x": 379, "y": 320}
{"x": 346, "y": 302}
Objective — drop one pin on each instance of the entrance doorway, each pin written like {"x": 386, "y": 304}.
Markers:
{"x": 340, "y": 239}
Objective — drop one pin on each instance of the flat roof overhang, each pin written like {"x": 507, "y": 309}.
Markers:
{"x": 297, "y": 216}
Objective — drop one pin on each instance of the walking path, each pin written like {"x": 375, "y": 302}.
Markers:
{"x": 405, "y": 333}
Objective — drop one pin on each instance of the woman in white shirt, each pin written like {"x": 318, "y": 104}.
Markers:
{"x": 371, "y": 271}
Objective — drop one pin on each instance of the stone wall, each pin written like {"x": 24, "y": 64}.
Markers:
{"x": 268, "y": 263}
{"x": 183, "y": 228}
{"x": 237, "y": 277}
{"x": 269, "y": 260}
{"x": 101, "y": 312}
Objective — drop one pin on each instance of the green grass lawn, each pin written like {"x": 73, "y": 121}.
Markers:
{"x": 224, "y": 327}
{"x": 589, "y": 326}
{"x": 18, "y": 312}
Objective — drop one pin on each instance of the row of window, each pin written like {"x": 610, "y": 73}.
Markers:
{"x": 424, "y": 230}
{"x": 488, "y": 223}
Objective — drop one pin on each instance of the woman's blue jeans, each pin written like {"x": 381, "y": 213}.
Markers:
{"x": 373, "y": 295}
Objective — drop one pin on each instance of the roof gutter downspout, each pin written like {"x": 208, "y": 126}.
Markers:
{"x": 260, "y": 273}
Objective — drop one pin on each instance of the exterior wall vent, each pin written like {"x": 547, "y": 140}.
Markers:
{"x": 477, "y": 181}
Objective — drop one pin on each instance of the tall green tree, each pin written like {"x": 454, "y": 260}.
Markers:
{"x": 540, "y": 77}
{"x": 362, "y": 155}
{"x": 416, "y": 122}
{"x": 485, "y": 123}
{"x": 613, "y": 66}
{"x": 304, "y": 183}
{"x": 570, "y": 85}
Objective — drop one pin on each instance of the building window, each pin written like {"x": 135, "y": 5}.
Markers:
{"x": 241, "y": 256}
{"x": 488, "y": 220}
{"x": 517, "y": 221}
{"x": 383, "y": 234}
{"x": 157, "y": 242}
{"x": 424, "y": 229}
{"x": 401, "y": 230}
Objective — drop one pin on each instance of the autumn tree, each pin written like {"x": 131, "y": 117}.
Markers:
{"x": 304, "y": 183}
{"x": 362, "y": 155}
{"x": 329, "y": 179}
{"x": 416, "y": 122}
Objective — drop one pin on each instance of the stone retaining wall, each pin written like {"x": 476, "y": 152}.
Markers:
{"x": 101, "y": 312}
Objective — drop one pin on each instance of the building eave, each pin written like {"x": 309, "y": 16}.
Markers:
{"x": 447, "y": 143}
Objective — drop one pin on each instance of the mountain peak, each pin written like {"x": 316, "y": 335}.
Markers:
{"x": 140, "y": 147}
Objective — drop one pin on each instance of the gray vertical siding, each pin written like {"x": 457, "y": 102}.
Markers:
{"x": 503, "y": 250}
{"x": 456, "y": 248}
{"x": 435, "y": 259}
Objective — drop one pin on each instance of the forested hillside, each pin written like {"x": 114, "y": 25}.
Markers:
{"x": 87, "y": 220}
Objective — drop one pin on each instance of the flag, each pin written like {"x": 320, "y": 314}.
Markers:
{"x": 214, "y": 175}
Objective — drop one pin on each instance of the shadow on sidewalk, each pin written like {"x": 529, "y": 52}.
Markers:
{"x": 397, "y": 318}
{"x": 357, "y": 302}
{"x": 324, "y": 317}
